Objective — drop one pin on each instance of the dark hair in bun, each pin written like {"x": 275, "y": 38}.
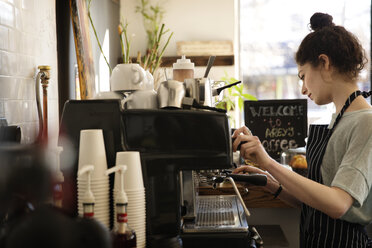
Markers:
{"x": 342, "y": 47}
{"x": 320, "y": 20}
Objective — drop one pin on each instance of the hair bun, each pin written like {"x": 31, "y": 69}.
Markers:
{"x": 321, "y": 20}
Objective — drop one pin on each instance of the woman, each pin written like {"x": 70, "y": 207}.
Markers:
{"x": 336, "y": 197}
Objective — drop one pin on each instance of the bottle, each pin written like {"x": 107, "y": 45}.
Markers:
{"x": 183, "y": 69}
{"x": 122, "y": 235}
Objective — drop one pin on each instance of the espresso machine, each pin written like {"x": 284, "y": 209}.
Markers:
{"x": 176, "y": 148}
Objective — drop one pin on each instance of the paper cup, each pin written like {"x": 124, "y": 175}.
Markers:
{"x": 133, "y": 175}
{"x": 92, "y": 152}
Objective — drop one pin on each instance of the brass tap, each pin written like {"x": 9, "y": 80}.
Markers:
{"x": 44, "y": 76}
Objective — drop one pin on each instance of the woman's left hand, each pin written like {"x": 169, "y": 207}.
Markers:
{"x": 251, "y": 148}
{"x": 271, "y": 185}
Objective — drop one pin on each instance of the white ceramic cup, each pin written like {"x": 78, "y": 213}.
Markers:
{"x": 149, "y": 82}
{"x": 141, "y": 99}
{"x": 92, "y": 152}
{"x": 133, "y": 175}
{"x": 128, "y": 77}
{"x": 108, "y": 95}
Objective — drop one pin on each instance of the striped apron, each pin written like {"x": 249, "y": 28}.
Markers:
{"x": 316, "y": 228}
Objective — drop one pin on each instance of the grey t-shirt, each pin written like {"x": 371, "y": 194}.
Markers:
{"x": 347, "y": 162}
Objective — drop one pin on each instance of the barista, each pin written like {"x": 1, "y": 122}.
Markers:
{"x": 335, "y": 198}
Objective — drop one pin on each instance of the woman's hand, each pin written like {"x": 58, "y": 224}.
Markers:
{"x": 272, "y": 184}
{"x": 251, "y": 147}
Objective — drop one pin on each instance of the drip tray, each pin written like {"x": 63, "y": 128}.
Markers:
{"x": 218, "y": 213}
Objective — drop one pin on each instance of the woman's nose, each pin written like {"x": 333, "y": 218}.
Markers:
{"x": 303, "y": 89}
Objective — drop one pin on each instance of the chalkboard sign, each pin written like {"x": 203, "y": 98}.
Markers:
{"x": 280, "y": 124}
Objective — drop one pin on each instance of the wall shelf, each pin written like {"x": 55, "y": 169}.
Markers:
{"x": 200, "y": 60}
{"x": 197, "y": 60}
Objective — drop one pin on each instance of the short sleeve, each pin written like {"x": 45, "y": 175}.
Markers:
{"x": 355, "y": 172}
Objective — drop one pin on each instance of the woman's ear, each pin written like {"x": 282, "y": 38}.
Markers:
{"x": 325, "y": 67}
{"x": 325, "y": 62}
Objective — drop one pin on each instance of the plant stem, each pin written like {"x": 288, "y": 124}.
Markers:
{"x": 162, "y": 52}
{"x": 95, "y": 34}
{"x": 122, "y": 47}
{"x": 128, "y": 44}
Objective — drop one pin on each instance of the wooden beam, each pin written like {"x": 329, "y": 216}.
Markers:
{"x": 197, "y": 60}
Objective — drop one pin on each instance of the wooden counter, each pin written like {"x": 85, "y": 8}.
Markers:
{"x": 253, "y": 196}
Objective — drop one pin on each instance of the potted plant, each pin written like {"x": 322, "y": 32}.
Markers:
{"x": 152, "y": 59}
{"x": 227, "y": 101}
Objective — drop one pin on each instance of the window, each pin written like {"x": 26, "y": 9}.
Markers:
{"x": 270, "y": 33}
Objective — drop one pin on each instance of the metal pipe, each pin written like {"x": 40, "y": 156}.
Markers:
{"x": 43, "y": 76}
{"x": 246, "y": 211}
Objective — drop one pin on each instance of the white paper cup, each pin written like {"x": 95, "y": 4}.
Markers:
{"x": 133, "y": 175}
{"x": 92, "y": 152}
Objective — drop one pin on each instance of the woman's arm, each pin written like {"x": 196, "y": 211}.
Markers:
{"x": 332, "y": 201}
{"x": 272, "y": 185}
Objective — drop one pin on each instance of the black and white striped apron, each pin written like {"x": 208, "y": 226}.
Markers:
{"x": 316, "y": 228}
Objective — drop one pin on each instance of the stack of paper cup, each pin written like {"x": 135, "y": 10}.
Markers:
{"x": 92, "y": 152}
{"x": 133, "y": 186}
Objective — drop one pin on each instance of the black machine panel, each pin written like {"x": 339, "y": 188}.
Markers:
{"x": 168, "y": 141}
{"x": 86, "y": 114}
{"x": 179, "y": 133}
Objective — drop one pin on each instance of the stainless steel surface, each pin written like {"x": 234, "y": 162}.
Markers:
{"x": 217, "y": 213}
{"x": 287, "y": 154}
{"x": 200, "y": 90}
{"x": 171, "y": 94}
{"x": 188, "y": 193}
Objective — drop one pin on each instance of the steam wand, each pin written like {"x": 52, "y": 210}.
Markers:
{"x": 246, "y": 211}
{"x": 221, "y": 179}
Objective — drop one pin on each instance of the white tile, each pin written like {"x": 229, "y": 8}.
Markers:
{"x": 13, "y": 111}
{"x": 14, "y": 40}
{"x": 18, "y": 18}
{"x": 7, "y": 15}
{"x": 27, "y": 39}
{"x": 2, "y": 112}
{"x": 16, "y": 3}
{"x": 26, "y": 66}
{"x": 29, "y": 89}
{"x": 29, "y": 21}
{"x": 28, "y": 5}
{"x": 28, "y": 111}
{"x": 35, "y": 113}
{"x": 27, "y": 44}
{"x": 13, "y": 64}
{"x": 14, "y": 89}
{"x": 6, "y": 87}
{"x": 4, "y": 38}
{"x": 7, "y": 61}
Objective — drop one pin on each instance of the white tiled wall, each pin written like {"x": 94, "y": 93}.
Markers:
{"x": 27, "y": 40}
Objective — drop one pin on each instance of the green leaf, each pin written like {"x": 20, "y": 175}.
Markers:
{"x": 249, "y": 97}
{"x": 240, "y": 103}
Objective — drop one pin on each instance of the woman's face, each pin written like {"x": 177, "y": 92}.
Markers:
{"x": 313, "y": 84}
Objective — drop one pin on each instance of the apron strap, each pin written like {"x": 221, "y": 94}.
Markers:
{"x": 351, "y": 98}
